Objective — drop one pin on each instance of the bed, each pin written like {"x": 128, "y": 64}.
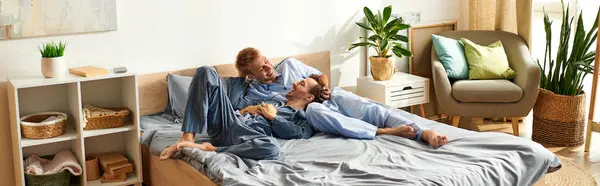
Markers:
{"x": 471, "y": 158}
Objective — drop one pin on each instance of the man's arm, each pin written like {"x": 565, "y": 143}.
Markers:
{"x": 298, "y": 66}
{"x": 283, "y": 127}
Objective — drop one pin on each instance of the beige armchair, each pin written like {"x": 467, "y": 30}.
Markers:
{"x": 489, "y": 98}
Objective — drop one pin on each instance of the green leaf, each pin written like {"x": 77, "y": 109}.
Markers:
{"x": 375, "y": 38}
{"x": 370, "y": 18}
{"x": 365, "y": 26}
{"x": 389, "y": 25}
{"x": 361, "y": 44}
{"x": 387, "y": 12}
{"x": 383, "y": 47}
{"x": 401, "y": 50}
{"x": 400, "y": 37}
{"x": 403, "y": 26}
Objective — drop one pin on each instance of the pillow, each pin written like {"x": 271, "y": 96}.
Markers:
{"x": 452, "y": 56}
{"x": 487, "y": 62}
{"x": 177, "y": 90}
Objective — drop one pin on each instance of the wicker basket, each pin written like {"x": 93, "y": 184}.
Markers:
{"x": 558, "y": 120}
{"x": 33, "y": 127}
{"x": 58, "y": 179}
{"x": 92, "y": 168}
{"x": 108, "y": 121}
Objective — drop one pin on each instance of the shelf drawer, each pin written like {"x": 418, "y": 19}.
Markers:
{"x": 406, "y": 94}
{"x": 406, "y": 87}
{"x": 408, "y": 101}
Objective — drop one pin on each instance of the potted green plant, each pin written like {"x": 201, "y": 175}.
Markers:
{"x": 53, "y": 62}
{"x": 385, "y": 38}
{"x": 559, "y": 111}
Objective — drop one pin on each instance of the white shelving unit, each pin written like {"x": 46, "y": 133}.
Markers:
{"x": 32, "y": 94}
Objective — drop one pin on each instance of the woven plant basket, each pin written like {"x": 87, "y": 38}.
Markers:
{"x": 558, "y": 120}
{"x": 382, "y": 68}
{"x": 112, "y": 120}
{"x": 33, "y": 127}
{"x": 92, "y": 167}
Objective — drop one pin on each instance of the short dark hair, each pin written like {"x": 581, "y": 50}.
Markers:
{"x": 320, "y": 88}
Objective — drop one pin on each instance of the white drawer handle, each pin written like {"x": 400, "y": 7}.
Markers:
{"x": 407, "y": 88}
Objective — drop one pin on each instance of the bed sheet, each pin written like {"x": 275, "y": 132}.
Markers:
{"x": 470, "y": 158}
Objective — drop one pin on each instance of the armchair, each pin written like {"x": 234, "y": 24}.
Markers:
{"x": 489, "y": 98}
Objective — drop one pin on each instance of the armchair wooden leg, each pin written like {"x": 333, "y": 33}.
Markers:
{"x": 515, "y": 125}
{"x": 455, "y": 120}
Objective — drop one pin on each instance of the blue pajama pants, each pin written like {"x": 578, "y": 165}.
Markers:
{"x": 349, "y": 115}
{"x": 209, "y": 106}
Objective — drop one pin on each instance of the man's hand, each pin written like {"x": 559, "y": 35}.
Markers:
{"x": 327, "y": 91}
{"x": 325, "y": 94}
{"x": 268, "y": 111}
{"x": 250, "y": 109}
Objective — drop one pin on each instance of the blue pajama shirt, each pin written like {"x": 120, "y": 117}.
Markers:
{"x": 210, "y": 107}
{"x": 344, "y": 114}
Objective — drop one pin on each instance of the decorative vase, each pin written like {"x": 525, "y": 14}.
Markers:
{"x": 54, "y": 67}
{"x": 382, "y": 68}
{"x": 558, "y": 119}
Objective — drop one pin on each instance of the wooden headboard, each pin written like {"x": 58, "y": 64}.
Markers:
{"x": 152, "y": 88}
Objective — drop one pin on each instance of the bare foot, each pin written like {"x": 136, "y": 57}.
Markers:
{"x": 205, "y": 146}
{"x": 168, "y": 152}
{"x": 402, "y": 131}
{"x": 434, "y": 138}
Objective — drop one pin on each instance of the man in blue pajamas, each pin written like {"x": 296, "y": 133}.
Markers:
{"x": 248, "y": 133}
{"x": 346, "y": 114}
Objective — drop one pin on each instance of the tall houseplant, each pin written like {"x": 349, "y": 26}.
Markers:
{"x": 384, "y": 39}
{"x": 559, "y": 112}
{"x": 53, "y": 62}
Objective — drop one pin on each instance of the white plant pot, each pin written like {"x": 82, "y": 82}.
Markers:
{"x": 54, "y": 67}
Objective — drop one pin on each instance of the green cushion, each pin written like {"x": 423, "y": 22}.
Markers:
{"x": 452, "y": 56}
{"x": 487, "y": 62}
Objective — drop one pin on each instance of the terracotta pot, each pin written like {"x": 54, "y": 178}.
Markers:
{"x": 382, "y": 68}
{"x": 54, "y": 67}
{"x": 558, "y": 119}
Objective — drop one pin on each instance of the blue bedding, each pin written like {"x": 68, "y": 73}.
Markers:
{"x": 470, "y": 158}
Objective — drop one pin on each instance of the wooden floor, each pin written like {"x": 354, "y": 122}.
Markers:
{"x": 590, "y": 160}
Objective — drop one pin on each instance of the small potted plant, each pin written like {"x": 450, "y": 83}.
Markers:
{"x": 53, "y": 62}
{"x": 385, "y": 38}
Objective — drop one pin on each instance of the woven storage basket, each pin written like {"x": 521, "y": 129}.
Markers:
{"x": 558, "y": 120}
{"x": 109, "y": 120}
{"x": 33, "y": 127}
{"x": 58, "y": 179}
{"x": 92, "y": 168}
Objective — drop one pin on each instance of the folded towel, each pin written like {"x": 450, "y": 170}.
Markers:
{"x": 62, "y": 160}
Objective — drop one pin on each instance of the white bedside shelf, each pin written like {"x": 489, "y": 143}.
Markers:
{"x": 69, "y": 134}
{"x": 132, "y": 179}
{"x": 99, "y": 132}
{"x": 402, "y": 90}
{"x": 33, "y": 94}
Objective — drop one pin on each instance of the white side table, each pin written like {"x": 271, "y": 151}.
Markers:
{"x": 402, "y": 90}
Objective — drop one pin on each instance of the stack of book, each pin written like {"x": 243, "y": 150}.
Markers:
{"x": 115, "y": 167}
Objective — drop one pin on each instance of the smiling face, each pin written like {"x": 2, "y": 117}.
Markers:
{"x": 302, "y": 90}
{"x": 262, "y": 70}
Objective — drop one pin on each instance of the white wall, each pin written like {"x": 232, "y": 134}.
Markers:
{"x": 158, "y": 36}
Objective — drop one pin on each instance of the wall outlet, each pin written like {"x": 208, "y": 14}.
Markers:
{"x": 409, "y": 17}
